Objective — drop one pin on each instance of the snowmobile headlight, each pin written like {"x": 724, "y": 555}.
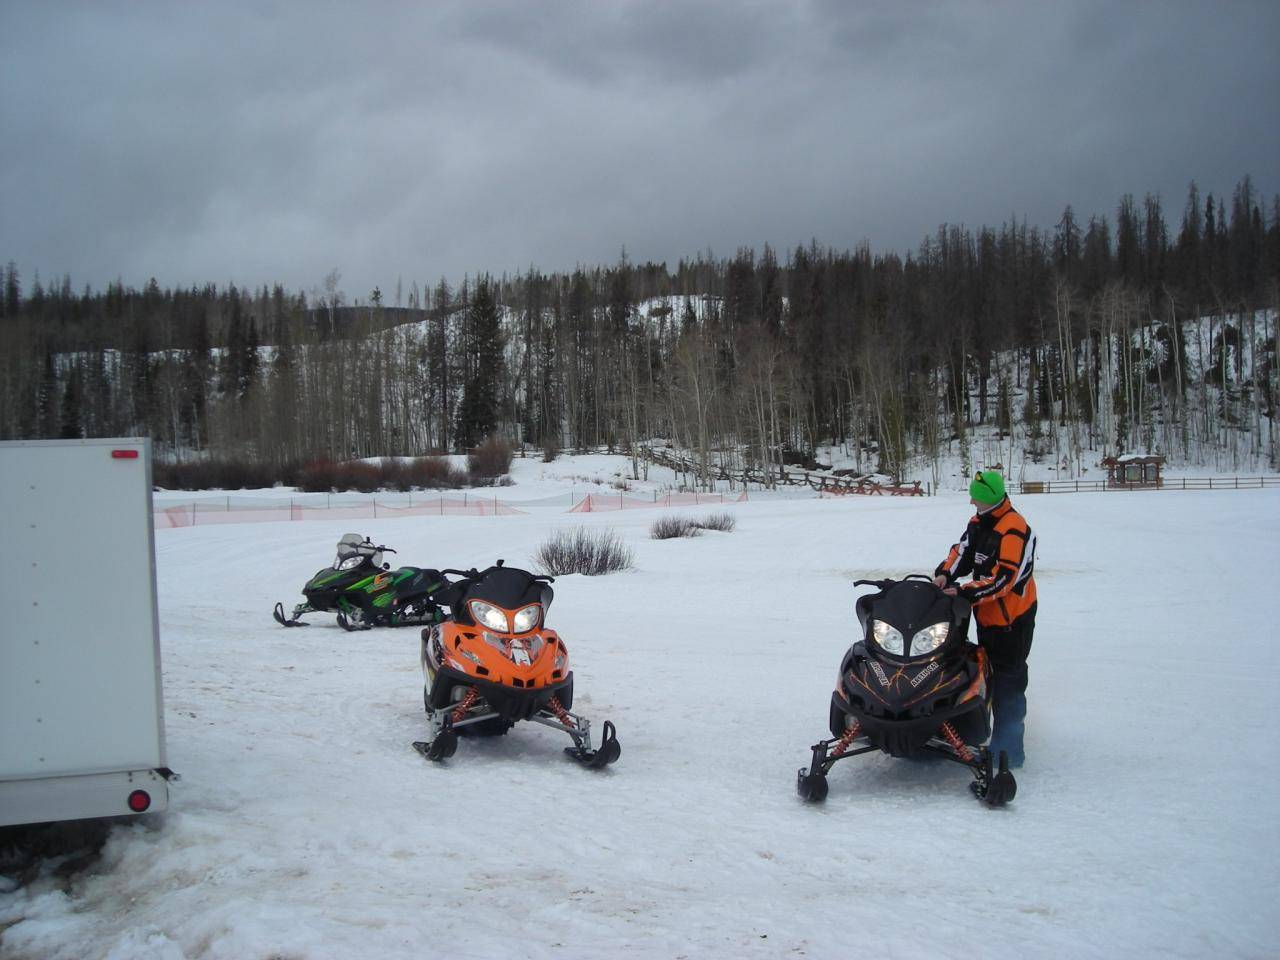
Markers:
{"x": 526, "y": 618}
{"x": 489, "y": 615}
{"x": 929, "y": 639}
{"x": 350, "y": 563}
{"x": 888, "y": 638}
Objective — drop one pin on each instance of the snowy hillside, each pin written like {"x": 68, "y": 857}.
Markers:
{"x": 306, "y": 827}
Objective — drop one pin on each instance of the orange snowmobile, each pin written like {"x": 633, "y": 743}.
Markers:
{"x": 492, "y": 662}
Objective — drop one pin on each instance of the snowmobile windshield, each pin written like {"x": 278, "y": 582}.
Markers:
{"x": 911, "y": 605}
{"x": 352, "y": 549}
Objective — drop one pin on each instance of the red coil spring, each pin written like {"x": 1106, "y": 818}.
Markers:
{"x": 561, "y": 713}
{"x": 464, "y": 705}
{"x": 847, "y": 739}
{"x": 953, "y": 738}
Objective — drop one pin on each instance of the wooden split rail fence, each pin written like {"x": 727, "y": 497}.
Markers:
{"x": 837, "y": 483}
{"x": 1165, "y": 483}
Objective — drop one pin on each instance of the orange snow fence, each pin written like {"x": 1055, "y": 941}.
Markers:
{"x": 596, "y": 502}
{"x": 199, "y": 514}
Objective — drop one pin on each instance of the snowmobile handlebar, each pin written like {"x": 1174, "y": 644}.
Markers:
{"x": 474, "y": 574}
{"x": 889, "y": 581}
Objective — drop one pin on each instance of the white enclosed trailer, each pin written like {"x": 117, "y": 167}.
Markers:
{"x": 81, "y": 710}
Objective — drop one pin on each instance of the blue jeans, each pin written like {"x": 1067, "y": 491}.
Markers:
{"x": 1008, "y": 649}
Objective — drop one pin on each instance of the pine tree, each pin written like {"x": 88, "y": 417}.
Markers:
{"x": 440, "y": 383}
{"x": 478, "y": 414}
{"x": 1066, "y": 245}
{"x": 1128, "y": 247}
{"x": 12, "y": 302}
{"x": 46, "y": 408}
{"x": 196, "y": 364}
{"x": 1190, "y": 265}
{"x": 247, "y": 368}
{"x": 233, "y": 351}
{"x": 72, "y": 404}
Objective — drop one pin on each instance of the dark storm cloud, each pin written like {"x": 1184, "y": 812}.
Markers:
{"x": 258, "y": 143}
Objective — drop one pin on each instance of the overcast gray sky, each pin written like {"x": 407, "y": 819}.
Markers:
{"x": 273, "y": 142}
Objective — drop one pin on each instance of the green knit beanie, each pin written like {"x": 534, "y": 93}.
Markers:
{"x": 987, "y": 486}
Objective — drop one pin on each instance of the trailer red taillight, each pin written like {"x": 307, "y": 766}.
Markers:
{"x": 139, "y": 800}
{"x": 124, "y": 454}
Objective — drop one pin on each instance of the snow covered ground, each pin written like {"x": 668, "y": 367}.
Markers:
{"x": 306, "y": 827}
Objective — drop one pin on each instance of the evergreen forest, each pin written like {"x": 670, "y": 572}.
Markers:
{"x": 1125, "y": 331}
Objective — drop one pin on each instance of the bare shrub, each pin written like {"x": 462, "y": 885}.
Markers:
{"x": 668, "y": 528}
{"x": 223, "y": 474}
{"x": 492, "y": 458}
{"x": 724, "y": 522}
{"x": 358, "y": 475}
{"x": 550, "y": 449}
{"x": 318, "y": 476}
{"x": 582, "y": 550}
{"x": 395, "y": 474}
{"x": 435, "y": 473}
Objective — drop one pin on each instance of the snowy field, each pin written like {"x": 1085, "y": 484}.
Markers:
{"x": 306, "y": 827}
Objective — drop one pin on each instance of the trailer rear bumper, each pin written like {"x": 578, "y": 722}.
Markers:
{"x": 45, "y": 799}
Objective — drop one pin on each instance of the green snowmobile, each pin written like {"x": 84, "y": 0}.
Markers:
{"x": 365, "y": 592}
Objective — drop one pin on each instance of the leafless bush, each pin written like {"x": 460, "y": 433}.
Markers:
{"x": 724, "y": 522}
{"x": 317, "y": 477}
{"x": 325, "y": 476}
{"x": 358, "y": 475}
{"x": 490, "y": 459}
{"x": 215, "y": 475}
{"x": 582, "y": 550}
{"x": 550, "y": 449}
{"x": 435, "y": 473}
{"x": 668, "y": 528}
{"x": 394, "y": 474}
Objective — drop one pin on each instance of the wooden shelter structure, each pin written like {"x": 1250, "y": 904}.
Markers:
{"x": 1132, "y": 470}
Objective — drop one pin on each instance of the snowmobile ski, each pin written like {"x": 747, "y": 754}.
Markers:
{"x": 997, "y": 788}
{"x": 293, "y": 621}
{"x": 443, "y": 746}
{"x": 353, "y": 620}
{"x": 608, "y": 751}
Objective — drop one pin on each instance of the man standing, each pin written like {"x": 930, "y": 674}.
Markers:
{"x": 998, "y": 552}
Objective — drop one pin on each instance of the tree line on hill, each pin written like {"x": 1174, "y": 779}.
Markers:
{"x": 1108, "y": 333}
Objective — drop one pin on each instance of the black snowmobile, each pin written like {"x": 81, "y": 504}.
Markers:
{"x": 364, "y": 592}
{"x": 493, "y": 662}
{"x": 914, "y": 684}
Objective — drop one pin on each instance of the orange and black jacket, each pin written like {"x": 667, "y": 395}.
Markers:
{"x": 999, "y": 550}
